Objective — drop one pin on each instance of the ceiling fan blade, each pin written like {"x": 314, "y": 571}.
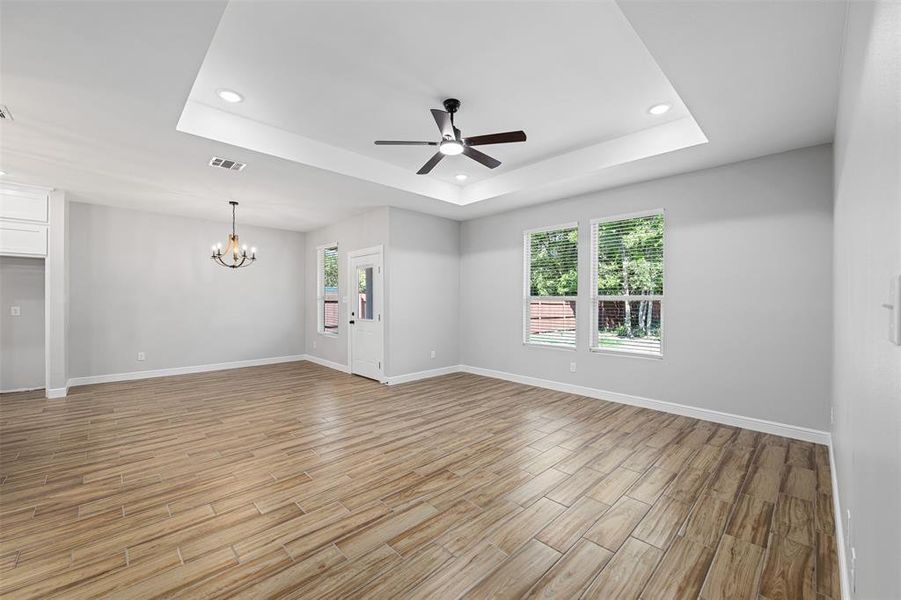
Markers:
{"x": 403, "y": 143}
{"x": 431, "y": 164}
{"x": 497, "y": 138}
{"x": 444, "y": 123}
{"x": 481, "y": 157}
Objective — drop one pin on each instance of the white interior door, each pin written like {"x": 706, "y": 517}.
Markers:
{"x": 365, "y": 313}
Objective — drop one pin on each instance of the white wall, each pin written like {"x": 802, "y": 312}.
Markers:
{"x": 867, "y": 402}
{"x": 22, "y": 337}
{"x": 424, "y": 282}
{"x": 363, "y": 231}
{"x": 748, "y": 324}
{"x": 144, "y": 282}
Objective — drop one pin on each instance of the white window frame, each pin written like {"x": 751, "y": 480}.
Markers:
{"x": 320, "y": 290}
{"x": 595, "y": 297}
{"x": 527, "y": 288}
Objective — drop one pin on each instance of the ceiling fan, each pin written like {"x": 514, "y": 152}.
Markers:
{"x": 452, "y": 143}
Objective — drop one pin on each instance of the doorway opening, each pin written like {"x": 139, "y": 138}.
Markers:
{"x": 22, "y": 324}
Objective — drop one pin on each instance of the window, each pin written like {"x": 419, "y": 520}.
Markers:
{"x": 364, "y": 293}
{"x": 327, "y": 286}
{"x": 551, "y": 286}
{"x": 627, "y": 284}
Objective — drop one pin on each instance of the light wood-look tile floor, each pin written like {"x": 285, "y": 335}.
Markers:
{"x": 297, "y": 481}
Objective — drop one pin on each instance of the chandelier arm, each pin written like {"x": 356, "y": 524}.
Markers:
{"x": 220, "y": 261}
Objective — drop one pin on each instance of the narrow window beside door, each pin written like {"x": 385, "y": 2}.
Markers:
{"x": 551, "y": 285}
{"x": 627, "y": 284}
{"x": 327, "y": 286}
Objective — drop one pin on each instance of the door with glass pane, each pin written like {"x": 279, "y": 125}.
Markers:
{"x": 365, "y": 313}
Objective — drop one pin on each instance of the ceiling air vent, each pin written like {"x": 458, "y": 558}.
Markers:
{"x": 5, "y": 114}
{"x": 224, "y": 163}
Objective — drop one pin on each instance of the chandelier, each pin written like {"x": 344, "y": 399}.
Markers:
{"x": 234, "y": 256}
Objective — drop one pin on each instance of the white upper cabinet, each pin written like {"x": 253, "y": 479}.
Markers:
{"x": 23, "y": 204}
{"x": 23, "y": 220}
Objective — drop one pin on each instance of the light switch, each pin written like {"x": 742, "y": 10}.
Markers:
{"x": 15, "y": 311}
{"x": 894, "y": 310}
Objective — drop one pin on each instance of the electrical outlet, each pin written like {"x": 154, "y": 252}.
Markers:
{"x": 314, "y": 344}
{"x": 572, "y": 367}
{"x": 832, "y": 415}
{"x": 432, "y": 354}
{"x": 15, "y": 311}
{"x": 141, "y": 356}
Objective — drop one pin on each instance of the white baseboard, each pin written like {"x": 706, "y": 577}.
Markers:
{"x": 326, "y": 363}
{"x": 408, "y": 377}
{"x": 237, "y": 364}
{"x": 57, "y": 392}
{"x": 843, "y": 574}
{"x": 704, "y": 414}
{"x": 23, "y": 389}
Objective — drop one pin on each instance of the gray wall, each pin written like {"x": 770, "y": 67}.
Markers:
{"x": 363, "y": 231}
{"x": 867, "y": 404}
{"x": 424, "y": 281}
{"x": 141, "y": 281}
{"x": 22, "y": 337}
{"x": 748, "y": 290}
{"x": 421, "y": 283}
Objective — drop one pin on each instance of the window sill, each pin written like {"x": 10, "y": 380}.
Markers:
{"x": 549, "y": 346}
{"x": 626, "y": 353}
{"x": 327, "y": 334}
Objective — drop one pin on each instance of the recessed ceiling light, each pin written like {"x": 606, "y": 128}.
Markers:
{"x": 462, "y": 177}
{"x": 230, "y": 96}
{"x": 659, "y": 109}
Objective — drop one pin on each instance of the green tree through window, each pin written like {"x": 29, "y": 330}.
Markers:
{"x": 553, "y": 263}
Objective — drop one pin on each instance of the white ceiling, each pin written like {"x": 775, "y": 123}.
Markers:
{"x": 344, "y": 74}
{"x": 97, "y": 90}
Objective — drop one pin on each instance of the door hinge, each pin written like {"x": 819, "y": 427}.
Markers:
{"x": 380, "y": 316}
{"x": 380, "y": 365}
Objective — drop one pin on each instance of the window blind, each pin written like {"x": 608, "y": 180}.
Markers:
{"x": 627, "y": 284}
{"x": 552, "y": 278}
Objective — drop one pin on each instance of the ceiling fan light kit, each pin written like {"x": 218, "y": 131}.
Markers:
{"x": 450, "y": 148}
{"x": 453, "y": 143}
